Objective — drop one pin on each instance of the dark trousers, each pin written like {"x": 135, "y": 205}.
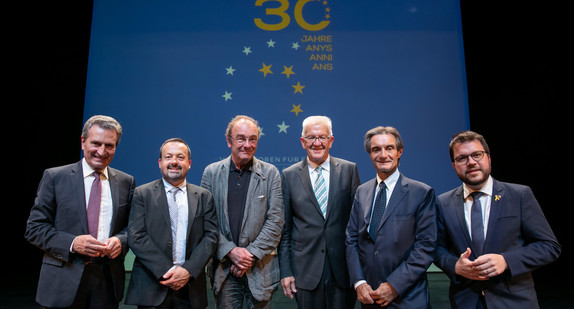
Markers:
{"x": 96, "y": 290}
{"x": 175, "y": 300}
{"x": 327, "y": 295}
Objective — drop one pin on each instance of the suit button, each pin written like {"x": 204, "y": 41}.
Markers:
{"x": 376, "y": 252}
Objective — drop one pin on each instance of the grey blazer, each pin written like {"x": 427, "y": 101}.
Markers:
{"x": 308, "y": 238}
{"x": 260, "y": 230}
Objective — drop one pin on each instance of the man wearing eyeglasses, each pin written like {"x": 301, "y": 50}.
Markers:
{"x": 318, "y": 194}
{"x": 249, "y": 206}
{"x": 491, "y": 234}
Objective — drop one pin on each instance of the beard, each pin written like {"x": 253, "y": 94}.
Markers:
{"x": 174, "y": 173}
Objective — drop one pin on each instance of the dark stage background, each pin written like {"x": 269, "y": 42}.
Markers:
{"x": 515, "y": 63}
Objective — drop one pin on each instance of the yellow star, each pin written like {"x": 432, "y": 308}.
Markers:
{"x": 288, "y": 71}
{"x": 266, "y": 69}
{"x": 296, "y": 109}
{"x": 298, "y": 88}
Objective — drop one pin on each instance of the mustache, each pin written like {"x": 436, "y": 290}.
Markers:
{"x": 174, "y": 165}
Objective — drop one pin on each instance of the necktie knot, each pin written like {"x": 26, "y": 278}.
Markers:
{"x": 475, "y": 195}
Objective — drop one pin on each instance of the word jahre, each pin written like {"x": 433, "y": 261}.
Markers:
{"x": 317, "y": 38}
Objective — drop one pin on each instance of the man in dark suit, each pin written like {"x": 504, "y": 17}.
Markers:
{"x": 311, "y": 251}
{"x": 173, "y": 234}
{"x": 249, "y": 205}
{"x": 491, "y": 234}
{"x": 391, "y": 235}
{"x": 79, "y": 220}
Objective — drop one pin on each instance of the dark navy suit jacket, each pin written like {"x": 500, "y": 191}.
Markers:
{"x": 405, "y": 244}
{"x": 517, "y": 229}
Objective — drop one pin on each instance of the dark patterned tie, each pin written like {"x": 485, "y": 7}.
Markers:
{"x": 476, "y": 224}
{"x": 378, "y": 210}
{"x": 94, "y": 205}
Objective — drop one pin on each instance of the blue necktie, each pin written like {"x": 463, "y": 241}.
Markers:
{"x": 477, "y": 228}
{"x": 378, "y": 210}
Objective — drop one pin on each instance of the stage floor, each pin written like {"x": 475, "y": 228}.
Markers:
{"x": 19, "y": 294}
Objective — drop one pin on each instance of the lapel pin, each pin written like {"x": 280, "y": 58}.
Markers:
{"x": 497, "y": 197}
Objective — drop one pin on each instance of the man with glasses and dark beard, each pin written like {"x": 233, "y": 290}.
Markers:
{"x": 173, "y": 234}
{"x": 491, "y": 234}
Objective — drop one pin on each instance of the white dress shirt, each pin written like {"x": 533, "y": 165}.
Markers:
{"x": 485, "y": 202}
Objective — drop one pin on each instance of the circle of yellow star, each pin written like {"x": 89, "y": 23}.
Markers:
{"x": 288, "y": 71}
{"x": 266, "y": 69}
{"x": 298, "y": 88}
{"x": 296, "y": 109}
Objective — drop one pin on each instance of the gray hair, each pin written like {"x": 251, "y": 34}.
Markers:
{"x": 382, "y": 130}
{"x": 238, "y": 118}
{"x": 317, "y": 120}
{"x": 104, "y": 122}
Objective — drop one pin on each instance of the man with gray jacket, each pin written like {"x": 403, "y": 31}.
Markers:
{"x": 249, "y": 206}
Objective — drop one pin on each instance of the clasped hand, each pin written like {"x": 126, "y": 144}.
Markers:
{"x": 382, "y": 296}
{"x": 241, "y": 260}
{"x": 482, "y": 268}
{"x": 89, "y": 246}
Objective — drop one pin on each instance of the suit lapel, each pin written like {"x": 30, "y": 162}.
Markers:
{"x": 161, "y": 202}
{"x": 254, "y": 183}
{"x": 496, "y": 203}
{"x": 368, "y": 203}
{"x": 192, "y": 202}
{"x": 114, "y": 188}
{"x": 399, "y": 192}
{"x": 458, "y": 204}
{"x": 334, "y": 175}
{"x": 77, "y": 181}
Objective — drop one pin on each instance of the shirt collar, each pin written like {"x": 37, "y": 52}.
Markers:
{"x": 88, "y": 170}
{"x": 169, "y": 186}
{"x": 391, "y": 180}
{"x": 486, "y": 189}
{"x": 326, "y": 165}
{"x": 246, "y": 167}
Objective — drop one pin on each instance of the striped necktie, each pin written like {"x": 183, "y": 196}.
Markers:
{"x": 320, "y": 190}
{"x": 173, "y": 216}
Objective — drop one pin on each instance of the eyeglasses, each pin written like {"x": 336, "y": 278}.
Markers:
{"x": 242, "y": 139}
{"x": 312, "y": 139}
{"x": 476, "y": 156}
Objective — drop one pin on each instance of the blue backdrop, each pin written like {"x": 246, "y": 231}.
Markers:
{"x": 185, "y": 68}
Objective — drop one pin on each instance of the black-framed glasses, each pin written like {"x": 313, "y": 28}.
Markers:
{"x": 242, "y": 139}
{"x": 312, "y": 139}
{"x": 476, "y": 156}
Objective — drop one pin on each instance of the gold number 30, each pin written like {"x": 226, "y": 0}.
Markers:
{"x": 285, "y": 18}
